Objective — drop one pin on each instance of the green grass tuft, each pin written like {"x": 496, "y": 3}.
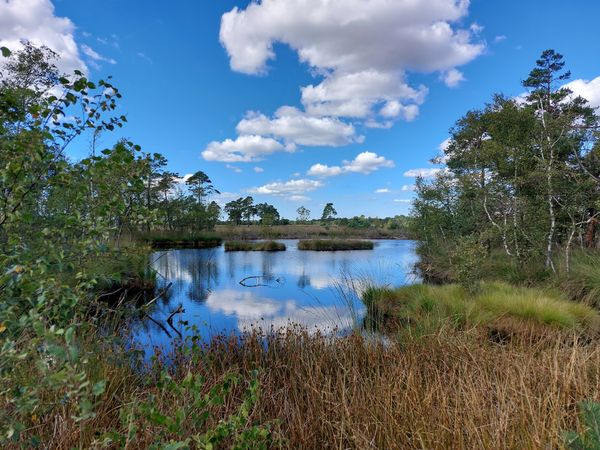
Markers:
{"x": 435, "y": 305}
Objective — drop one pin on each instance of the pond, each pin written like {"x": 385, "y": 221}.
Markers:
{"x": 278, "y": 289}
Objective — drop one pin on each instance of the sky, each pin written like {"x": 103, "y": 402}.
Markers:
{"x": 304, "y": 102}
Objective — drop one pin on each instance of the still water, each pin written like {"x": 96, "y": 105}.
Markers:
{"x": 312, "y": 289}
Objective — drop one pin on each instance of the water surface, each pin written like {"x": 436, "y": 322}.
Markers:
{"x": 278, "y": 289}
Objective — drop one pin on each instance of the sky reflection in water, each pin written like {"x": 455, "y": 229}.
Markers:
{"x": 295, "y": 287}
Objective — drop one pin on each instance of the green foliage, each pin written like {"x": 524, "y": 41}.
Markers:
{"x": 187, "y": 406}
{"x": 522, "y": 176}
{"x": 329, "y": 212}
{"x": 467, "y": 258}
{"x": 590, "y": 439}
{"x": 303, "y": 214}
{"x": 61, "y": 227}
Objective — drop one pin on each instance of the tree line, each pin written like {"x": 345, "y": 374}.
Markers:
{"x": 523, "y": 175}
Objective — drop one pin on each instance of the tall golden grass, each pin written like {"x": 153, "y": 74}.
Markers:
{"x": 450, "y": 390}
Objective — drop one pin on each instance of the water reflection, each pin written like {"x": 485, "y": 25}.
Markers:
{"x": 280, "y": 289}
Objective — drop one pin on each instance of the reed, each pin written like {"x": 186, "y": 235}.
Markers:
{"x": 246, "y": 246}
{"x": 447, "y": 390}
{"x": 322, "y": 245}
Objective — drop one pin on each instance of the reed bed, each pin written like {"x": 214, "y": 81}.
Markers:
{"x": 449, "y": 390}
{"x": 181, "y": 240}
{"x": 322, "y": 245}
{"x": 262, "y": 246}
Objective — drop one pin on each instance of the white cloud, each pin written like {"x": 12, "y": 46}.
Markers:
{"x": 499, "y": 39}
{"x": 382, "y": 191}
{"x": 590, "y": 90}
{"x": 291, "y": 187}
{"x": 322, "y": 170}
{"x": 183, "y": 179}
{"x": 242, "y": 149}
{"x": 355, "y": 95}
{"x": 365, "y": 163}
{"x": 95, "y": 56}
{"x": 425, "y": 173}
{"x": 452, "y": 78}
{"x": 297, "y": 128}
{"x": 34, "y": 21}
{"x": 402, "y": 200}
{"x": 298, "y": 198}
{"x": 234, "y": 168}
{"x": 408, "y": 187}
{"x": 362, "y": 49}
{"x": 350, "y": 35}
{"x": 259, "y": 169}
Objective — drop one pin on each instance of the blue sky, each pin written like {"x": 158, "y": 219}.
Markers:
{"x": 383, "y": 82}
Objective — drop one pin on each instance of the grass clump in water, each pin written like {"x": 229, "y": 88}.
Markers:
{"x": 431, "y": 306}
{"x": 179, "y": 240}
{"x": 322, "y": 245}
{"x": 245, "y": 246}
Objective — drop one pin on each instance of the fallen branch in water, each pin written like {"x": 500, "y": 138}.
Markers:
{"x": 243, "y": 281}
{"x": 160, "y": 294}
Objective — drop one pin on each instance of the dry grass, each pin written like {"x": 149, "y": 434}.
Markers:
{"x": 303, "y": 231}
{"x": 448, "y": 390}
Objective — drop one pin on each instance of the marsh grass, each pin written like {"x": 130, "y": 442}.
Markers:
{"x": 427, "y": 307}
{"x": 334, "y": 244}
{"x": 181, "y": 240}
{"x": 450, "y": 389}
{"x": 582, "y": 281}
{"x": 246, "y": 246}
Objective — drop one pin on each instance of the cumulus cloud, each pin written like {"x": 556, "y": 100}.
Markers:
{"x": 424, "y": 173}
{"x": 35, "y": 21}
{"x": 365, "y": 163}
{"x": 356, "y": 94}
{"x": 289, "y": 188}
{"x": 402, "y": 200}
{"x": 350, "y": 35}
{"x": 382, "y": 191}
{"x": 297, "y": 128}
{"x": 452, "y": 78}
{"x": 259, "y": 169}
{"x": 243, "y": 149}
{"x": 590, "y": 90}
{"x": 408, "y": 187}
{"x": 361, "y": 48}
{"x": 323, "y": 170}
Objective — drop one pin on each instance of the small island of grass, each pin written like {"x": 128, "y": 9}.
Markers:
{"x": 323, "y": 245}
{"x": 246, "y": 246}
{"x": 197, "y": 241}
